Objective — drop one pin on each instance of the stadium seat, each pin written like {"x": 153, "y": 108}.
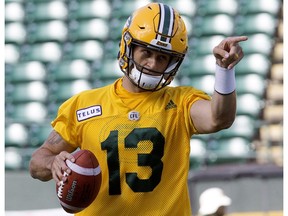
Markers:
{"x": 89, "y": 9}
{"x": 27, "y": 92}
{"x": 25, "y": 71}
{"x": 69, "y": 70}
{"x": 197, "y": 153}
{"x": 61, "y": 91}
{"x": 97, "y": 29}
{"x": 254, "y": 63}
{"x": 109, "y": 70}
{"x": 220, "y": 24}
{"x": 116, "y": 26}
{"x": 204, "y": 45}
{"x": 13, "y": 158}
{"x": 184, "y": 7}
{"x": 43, "y": 52}
{"x": 55, "y": 30}
{"x": 124, "y": 8}
{"x": 18, "y": 158}
{"x": 89, "y": 50}
{"x": 260, "y": 6}
{"x": 244, "y": 126}
{"x": 204, "y": 83}
{"x": 197, "y": 66}
{"x": 16, "y": 134}
{"x": 15, "y": 32}
{"x": 249, "y": 104}
{"x": 256, "y": 23}
{"x": 46, "y": 10}
{"x": 12, "y": 53}
{"x": 208, "y": 7}
{"x": 251, "y": 83}
{"x": 14, "y": 12}
{"x": 230, "y": 150}
{"x": 111, "y": 48}
{"x": 31, "y": 112}
{"x": 258, "y": 44}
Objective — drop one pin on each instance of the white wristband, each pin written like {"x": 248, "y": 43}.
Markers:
{"x": 225, "y": 82}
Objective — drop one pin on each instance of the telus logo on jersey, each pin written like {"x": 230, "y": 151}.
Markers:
{"x": 88, "y": 112}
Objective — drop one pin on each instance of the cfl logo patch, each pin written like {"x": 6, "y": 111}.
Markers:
{"x": 133, "y": 116}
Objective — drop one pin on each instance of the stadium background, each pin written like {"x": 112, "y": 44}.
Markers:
{"x": 54, "y": 49}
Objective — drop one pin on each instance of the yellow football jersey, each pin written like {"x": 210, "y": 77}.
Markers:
{"x": 142, "y": 142}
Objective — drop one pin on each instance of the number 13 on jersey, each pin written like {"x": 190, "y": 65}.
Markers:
{"x": 151, "y": 159}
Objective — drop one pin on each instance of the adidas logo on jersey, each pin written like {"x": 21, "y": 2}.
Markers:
{"x": 170, "y": 105}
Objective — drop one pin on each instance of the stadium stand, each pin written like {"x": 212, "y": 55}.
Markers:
{"x": 54, "y": 49}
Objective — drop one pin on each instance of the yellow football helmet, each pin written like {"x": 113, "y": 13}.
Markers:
{"x": 159, "y": 27}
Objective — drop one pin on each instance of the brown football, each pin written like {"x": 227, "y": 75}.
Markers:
{"x": 82, "y": 185}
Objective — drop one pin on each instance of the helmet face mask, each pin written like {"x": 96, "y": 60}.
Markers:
{"x": 157, "y": 27}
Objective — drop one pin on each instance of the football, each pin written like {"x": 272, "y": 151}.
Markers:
{"x": 83, "y": 183}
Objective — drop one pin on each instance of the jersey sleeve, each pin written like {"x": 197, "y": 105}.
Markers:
{"x": 192, "y": 95}
{"x": 65, "y": 122}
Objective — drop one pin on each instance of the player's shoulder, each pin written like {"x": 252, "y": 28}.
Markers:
{"x": 181, "y": 90}
{"x": 95, "y": 91}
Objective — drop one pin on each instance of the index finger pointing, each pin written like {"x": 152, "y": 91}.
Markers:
{"x": 238, "y": 39}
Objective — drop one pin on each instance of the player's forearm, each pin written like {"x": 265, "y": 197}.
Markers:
{"x": 223, "y": 109}
{"x": 224, "y": 97}
{"x": 40, "y": 165}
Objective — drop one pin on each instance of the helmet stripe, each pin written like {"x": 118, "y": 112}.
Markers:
{"x": 165, "y": 23}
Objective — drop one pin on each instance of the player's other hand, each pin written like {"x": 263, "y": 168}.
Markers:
{"x": 59, "y": 166}
{"x": 228, "y": 53}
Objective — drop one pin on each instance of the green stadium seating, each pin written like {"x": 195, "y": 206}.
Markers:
{"x": 25, "y": 71}
{"x": 42, "y": 52}
{"x": 13, "y": 158}
{"x": 214, "y": 7}
{"x": 31, "y": 112}
{"x": 124, "y": 8}
{"x": 187, "y": 8}
{"x": 249, "y": 104}
{"x": 61, "y": 91}
{"x": 109, "y": 70}
{"x": 197, "y": 66}
{"x": 251, "y": 83}
{"x": 16, "y": 134}
{"x": 14, "y": 12}
{"x": 258, "y": 44}
{"x": 244, "y": 126}
{"x": 97, "y": 29}
{"x": 27, "y": 92}
{"x": 197, "y": 153}
{"x": 256, "y": 23}
{"x": 260, "y": 6}
{"x": 220, "y": 24}
{"x": 46, "y": 10}
{"x": 254, "y": 63}
{"x": 204, "y": 83}
{"x": 15, "y": 32}
{"x": 55, "y": 30}
{"x": 12, "y": 53}
{"x": 18, "y": 158}
{"x": 69, "y": 70}
{"x": 89, "y": 50}
{"x": 230, "y": 150}
{"x": 83, "y": 9}
{"x": 204, "y": 45}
